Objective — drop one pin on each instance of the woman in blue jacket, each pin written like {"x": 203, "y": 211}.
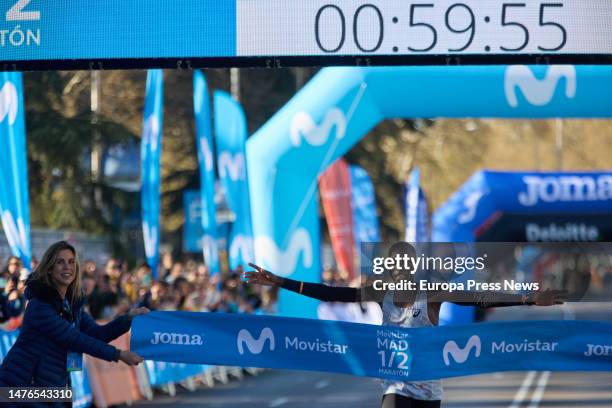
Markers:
{"x": 56, "y": 331}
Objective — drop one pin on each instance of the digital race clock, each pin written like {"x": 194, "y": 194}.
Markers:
{"x": 184, "y": 33}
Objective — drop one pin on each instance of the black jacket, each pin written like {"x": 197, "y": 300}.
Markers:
{"x": 49, "y": 331}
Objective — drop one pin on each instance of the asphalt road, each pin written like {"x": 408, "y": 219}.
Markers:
{"x": 532, "y": 389}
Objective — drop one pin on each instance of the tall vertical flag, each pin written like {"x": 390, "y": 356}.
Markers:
{"x": 231, "y": 134}
{"x": 365, "y": 219}
{"x": 150, "y": 152}
{"x": 335, "y": 187}
{"x": 14, "y": 202}
{"x": 417, "y": 212}
{"x": 204, "y": 138}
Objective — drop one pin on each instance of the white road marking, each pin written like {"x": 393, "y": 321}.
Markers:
{"x": 321, "y": 384}
{"x": 522, "y": 392}
{"x": 539, "y": 392}
{"x": 568, "y": 312}
{"x": 278, "y": 402}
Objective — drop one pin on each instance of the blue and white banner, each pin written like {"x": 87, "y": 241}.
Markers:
{"x": 231, "y": 134}
{"x": 150, "y": 152}
{"x": 206, "y": 160}
{"x": 14, "y": 203}
{"x": 192, "y": 228}
{"x": 372, "y": 351}
{"x": 365, "y": 218}
{"x": 417, "y": 212}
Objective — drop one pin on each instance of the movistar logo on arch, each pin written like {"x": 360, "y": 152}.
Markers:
{"x": 460, "y": 355}
{"x": 246, "y": 341}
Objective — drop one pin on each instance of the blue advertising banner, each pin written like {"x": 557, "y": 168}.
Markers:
{"x": 206, "y": 160}
{"x": 372, "y": 351}
{"x": 365, "y": 218}
{"x": 231, "y": 134}
{"x": 14, "y": 203}
{"x": 416, "y": 210}
{"x": 193, "y": 234}
{"x": 192, "y": 229}
{"x": 150, "y": 153}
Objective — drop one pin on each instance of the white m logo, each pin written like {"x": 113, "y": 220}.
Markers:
{"x": 232, "y": 166}
{"x": 240, "y": 248}
{"x": 150, "y": 239}
{"x": 303, "y": 126}
{"x": 460, "y": 355}
{"x": 285, "y": 262}
{"x": 151, "y": 132}
{"x": 9, "y": 104}
{"x": 538, "y": 92}
{"x": 255, "y": 346}
{"x": 15, "y": 231}
{"x": 209, "y": 248}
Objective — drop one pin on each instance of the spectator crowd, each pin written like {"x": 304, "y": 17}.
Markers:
{"x": 113, "y": 288}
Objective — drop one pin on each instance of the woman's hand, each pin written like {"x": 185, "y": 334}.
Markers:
{"x": 262, "y": 277}
{"x": 130, "y": 358}
{"x": 137, "y": 312}
{"x": 549, "y": 297}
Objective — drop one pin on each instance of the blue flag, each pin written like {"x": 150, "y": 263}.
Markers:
{"x": 206, "y": 159}
{"x": 14, "y": 203}
{"x": 365, "y": 219}
{"x": 417, "y": 214}
{"x": 231, "y": 133}
{"x": 150, "y": 152}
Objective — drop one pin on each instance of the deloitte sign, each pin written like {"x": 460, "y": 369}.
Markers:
{"x": 565, "y": 232}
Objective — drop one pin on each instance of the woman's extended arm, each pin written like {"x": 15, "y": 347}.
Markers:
{"x": 42, "y": 317}
{"x": 318, "y": 291}
{"x": 110, "y": 331}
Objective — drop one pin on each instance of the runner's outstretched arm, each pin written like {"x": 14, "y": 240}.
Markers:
{"x": 318, "y": 291}
{"x": 496, "y": 299}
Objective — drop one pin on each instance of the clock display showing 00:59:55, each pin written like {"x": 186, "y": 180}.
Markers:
{"x": 370, "y": 28}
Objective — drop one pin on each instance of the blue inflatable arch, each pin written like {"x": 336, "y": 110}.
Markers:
{"x": 487, "y": 195}
{"x": 341, "y": 105}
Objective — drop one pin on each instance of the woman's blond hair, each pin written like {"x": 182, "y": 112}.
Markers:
{"x": 44, "y": 269}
